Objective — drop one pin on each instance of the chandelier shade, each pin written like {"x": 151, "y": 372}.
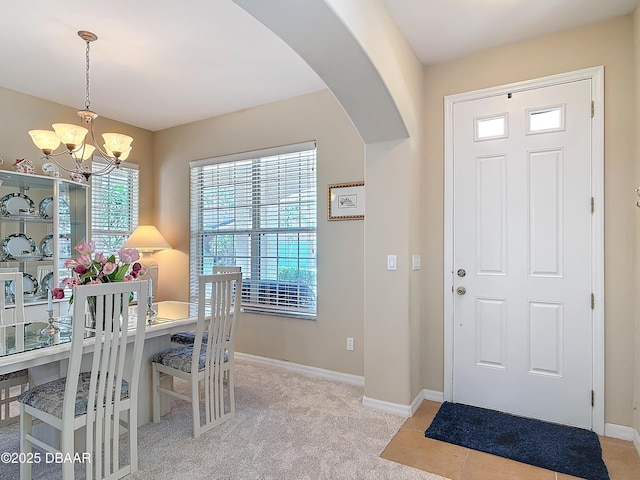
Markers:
{"x": 85, "y": 151}
{"x": 122, "y": 156}
{"x": 45, "y": 140}
{"x": 117, "y": 143}
{"x": 114, "y": 151}
{"x": 69, "y": 134}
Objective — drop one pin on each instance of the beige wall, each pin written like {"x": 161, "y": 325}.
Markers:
{"x": 609, "y": 44}
{"x": 21, "y": 113}
{"x": 318, "y": 116}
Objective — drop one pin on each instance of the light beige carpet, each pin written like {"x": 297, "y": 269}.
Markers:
{"x": 288, "y": 426}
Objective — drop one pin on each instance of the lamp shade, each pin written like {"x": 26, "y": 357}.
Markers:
{"x": 117, "y": 143}
{"x": 85, "y": 151}
{"x": 69, "y": 134}
{"x": 123, "y": 156}
{"x": 45, "y": 140}
{"x": 147, "y": 238}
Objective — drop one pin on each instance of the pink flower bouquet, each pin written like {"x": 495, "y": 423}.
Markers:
{"x": 94, "y": 267}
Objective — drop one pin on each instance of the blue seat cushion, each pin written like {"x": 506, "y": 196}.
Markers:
{"x": 187, "y": 338}
{"x": 49, "y": 397}
{"x": 180, "y": 358}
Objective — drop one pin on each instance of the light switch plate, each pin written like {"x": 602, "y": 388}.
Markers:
{"x": 392, "y": 262}
{"x": 415, "y": 262}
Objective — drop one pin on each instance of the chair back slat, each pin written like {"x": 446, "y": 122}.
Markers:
{"x": 226, "y": 269}
{"x": 109, "y": 367}
{"x": 217, "y": 315}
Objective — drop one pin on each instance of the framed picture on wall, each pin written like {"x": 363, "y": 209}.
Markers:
{"x": 346, "y": 201}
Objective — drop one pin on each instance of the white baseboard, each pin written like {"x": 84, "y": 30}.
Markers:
{"x": 404, "y": 410}
{"x": 313, "y": 371}
{"x": 433, "y": 395}
{"x": 415, "y": 405}
{"x": 394, "y": 408}
{"x": 388, "y": 407}
{"x": 619, "y": 431}
{"x": 622, "y": 432}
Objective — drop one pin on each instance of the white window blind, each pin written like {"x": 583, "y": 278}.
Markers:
{"x": 258, "y": 210}
{"x": 114, "y": 207}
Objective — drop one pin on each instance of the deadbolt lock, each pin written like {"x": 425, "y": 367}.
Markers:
{"x": 462, "y": 272}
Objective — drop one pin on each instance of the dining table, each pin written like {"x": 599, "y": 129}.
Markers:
{"x": 43, "y": 345}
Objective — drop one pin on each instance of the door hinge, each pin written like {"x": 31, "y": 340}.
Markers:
{"x": 593, "y": 108}
{"x": 593, "y": 204}
{"x": 593, "y": 398}
{"x": 593, "y": 301}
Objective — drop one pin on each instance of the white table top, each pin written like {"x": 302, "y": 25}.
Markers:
{"x": 40, "y": 349}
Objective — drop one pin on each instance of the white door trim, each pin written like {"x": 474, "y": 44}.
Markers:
{"x": 596, "y": 74}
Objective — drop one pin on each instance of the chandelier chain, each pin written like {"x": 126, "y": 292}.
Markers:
{"x": 87, "y": 101}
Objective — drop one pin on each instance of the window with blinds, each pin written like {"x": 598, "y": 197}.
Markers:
{"x": 114, "y": 207}
{"x": 259, "y": 211}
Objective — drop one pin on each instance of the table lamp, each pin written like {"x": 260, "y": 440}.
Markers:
{"x": 147, "y": 240}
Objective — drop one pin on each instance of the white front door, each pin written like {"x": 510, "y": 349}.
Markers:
{"x": 522, "y": 265}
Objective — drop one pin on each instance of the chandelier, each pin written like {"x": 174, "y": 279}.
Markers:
{"x": 116, "y": 147}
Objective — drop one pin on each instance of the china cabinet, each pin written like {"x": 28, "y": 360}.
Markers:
{"x": 41, "y": 219}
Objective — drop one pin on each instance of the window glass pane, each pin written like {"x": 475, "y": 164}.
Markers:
{"x": 546, "y": 119}
{"x": 260, "y": 214}
{"x": 114, "y": 207}
{"x": 493, "y": 127}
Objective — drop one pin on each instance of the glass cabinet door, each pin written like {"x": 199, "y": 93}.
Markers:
{"x": 72, "y": 221}
{"x": 41, "y": 219}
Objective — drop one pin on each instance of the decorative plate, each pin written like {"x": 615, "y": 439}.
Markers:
{"x": 64, "y": 247}
{"x": 46, "y": 283}
{"x": 19, "y": 245}
{"x": 50, "y": 169}
{"x": 45, "y": 208}
{"x": 17, "y": 204}
{"x": 29, "y": 284}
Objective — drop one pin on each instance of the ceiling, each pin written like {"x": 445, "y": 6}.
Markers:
{"x": 161, "y": 64}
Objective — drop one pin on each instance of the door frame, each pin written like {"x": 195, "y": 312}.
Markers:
{"x": 596, "y": 75}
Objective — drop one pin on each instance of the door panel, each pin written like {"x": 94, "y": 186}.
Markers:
{"x": 521, "y": 230}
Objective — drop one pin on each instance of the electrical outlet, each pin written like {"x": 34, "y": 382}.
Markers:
{"x": 350, "y": 344}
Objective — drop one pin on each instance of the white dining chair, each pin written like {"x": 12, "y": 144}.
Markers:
{"x": 188, "y": 337}
{"x": 96, "y": 399}
{"x": 14, "y": 383}
{"x": 210, "y": 364}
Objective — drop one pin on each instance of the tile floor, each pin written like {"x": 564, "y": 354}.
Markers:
{"x": 411, "y": 447}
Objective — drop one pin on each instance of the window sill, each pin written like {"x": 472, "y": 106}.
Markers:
{"x": 277, "y": 313}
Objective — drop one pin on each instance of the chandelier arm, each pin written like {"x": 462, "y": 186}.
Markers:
{"x": 102, "y": 153}
{"x": 108, "y": 168}
{"x": 68, "y": 170}
{"x": 49, "y": 156}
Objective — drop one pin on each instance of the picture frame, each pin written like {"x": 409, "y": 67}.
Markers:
{"x": 346, "y": 201}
